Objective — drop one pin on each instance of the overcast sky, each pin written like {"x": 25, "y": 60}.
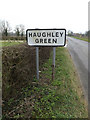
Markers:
{"x": 68, "y": 14}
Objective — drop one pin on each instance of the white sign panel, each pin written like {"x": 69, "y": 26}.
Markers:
{"x": 46, "y": 37}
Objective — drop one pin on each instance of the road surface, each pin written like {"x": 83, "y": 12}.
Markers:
{"x": 79, "y": 52}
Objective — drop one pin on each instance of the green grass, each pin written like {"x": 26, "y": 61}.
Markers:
{"x": 82, "y": 38}
{"x": 60, "y": 98}
{"x": 3, "y": 44}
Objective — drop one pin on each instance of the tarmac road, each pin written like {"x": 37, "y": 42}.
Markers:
{"x": 79, "y": 52}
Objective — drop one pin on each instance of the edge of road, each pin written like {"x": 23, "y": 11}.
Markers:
{"x": 81, "y": 87}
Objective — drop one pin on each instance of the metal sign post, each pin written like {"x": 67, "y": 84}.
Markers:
{"x": 37, "y": 62}
{"x": 53, "y": 65}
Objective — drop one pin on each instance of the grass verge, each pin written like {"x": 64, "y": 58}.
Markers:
{"x": 82, "y": 38}
{"x": 60, "y": 98}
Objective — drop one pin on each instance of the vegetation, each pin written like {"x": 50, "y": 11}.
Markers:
{"x": 18, "y": 70}
{"x": 7, "y": 34}
{"x": 19, "y": 30}
{"x": 3, "y": 44}
{"x": 26, "y": 97}
{"x": 82, "y": 38}
{"x": 58, "y": 98}
{"x": 4, "y": 28}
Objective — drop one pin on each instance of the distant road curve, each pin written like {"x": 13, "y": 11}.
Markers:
{"x": 79, "y": 52}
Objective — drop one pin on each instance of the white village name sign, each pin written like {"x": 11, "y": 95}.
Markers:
{"x": 46, "y": 37}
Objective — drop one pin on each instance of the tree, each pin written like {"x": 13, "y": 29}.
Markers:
{"x": 17, "y": 30}
{"x": 70, "y": 33}
{"x": 22, "y": 28}
{"x": 87, "y": 33}
{"x": 4, "y": 27}
{"x": 0, "y": 26}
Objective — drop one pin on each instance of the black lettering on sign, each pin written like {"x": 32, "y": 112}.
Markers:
{"x": 45, "y": 40}
{"x": 49, "y": 40}
{"x": 39, "y": 34}
{"x": 41, "y": 40}
{"x": 53, "y": 34}
{"x": 61, "y": 34}
{"x": 30, "y": 34}
{"x": 48, "y": 34}
{"x": 37, "y": 41}
{"x": 54, "y": 41}
{"x": 57, "y": 35}
{"x": 43, "y": 34}
{"x": 34, "y": 35}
